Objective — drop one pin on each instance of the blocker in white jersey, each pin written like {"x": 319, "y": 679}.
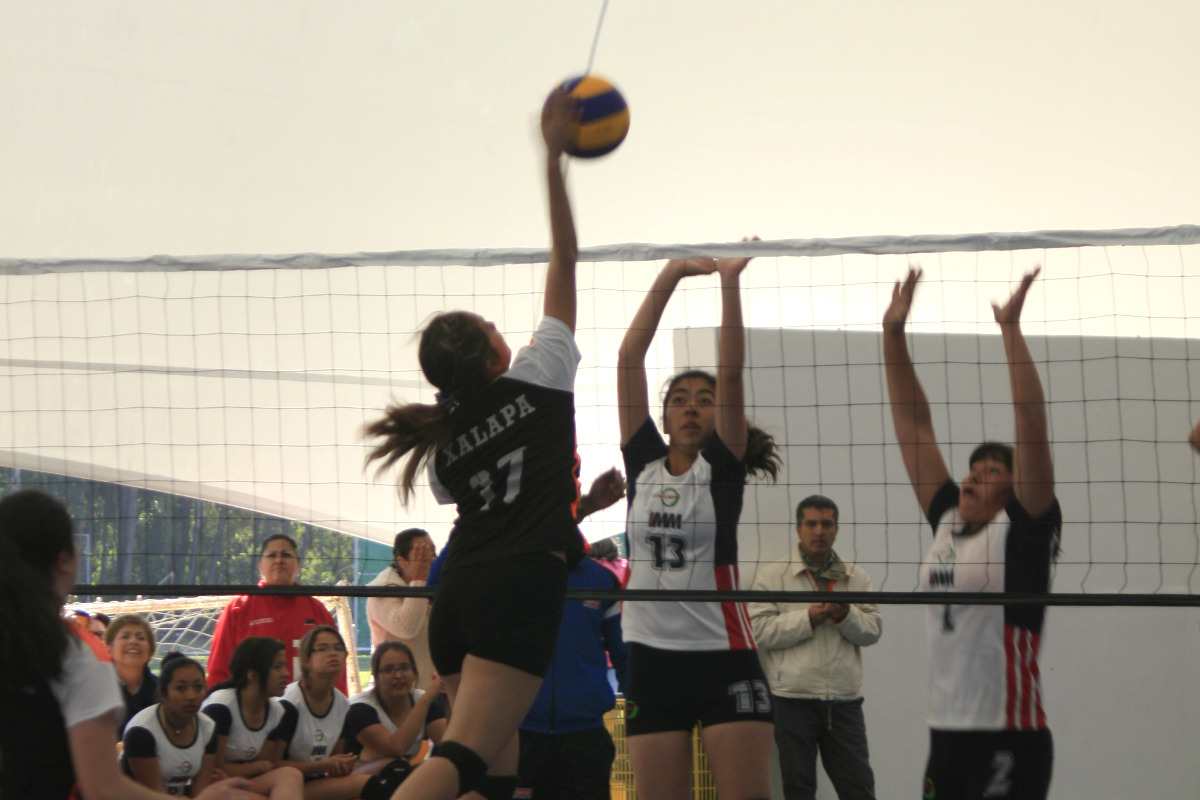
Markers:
{"x": 691, "y": 662}
{"x": 996, "y": 533}
{"x": 314, "y": 736}
{"x": 984, "y": 658}
{"x": 178, "y": 766}
{"x": 682, "y": 534}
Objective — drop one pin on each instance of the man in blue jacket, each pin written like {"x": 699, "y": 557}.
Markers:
{"x": 566, "y": 752}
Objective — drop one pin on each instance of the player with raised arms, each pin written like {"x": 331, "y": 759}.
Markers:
{"x": 691, "y": 662}
{"x": 998, "y": 532}
{"x": 499, "y": 443}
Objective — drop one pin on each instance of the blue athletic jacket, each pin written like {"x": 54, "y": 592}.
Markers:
{"x": 576, "y": 693}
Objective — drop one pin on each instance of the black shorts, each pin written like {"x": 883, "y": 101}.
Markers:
{"x": 672, "y": 690}
{"x": 573, "y": 766}
{"x": 506, "y": 611}
{"x": 971, "y": 765}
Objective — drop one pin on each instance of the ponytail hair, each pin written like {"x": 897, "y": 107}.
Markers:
{"x": 454, "y": 354}
{"x": 762, "y": 454}
{"x": 35, "y": 530}
{"x": 254, "y": 654}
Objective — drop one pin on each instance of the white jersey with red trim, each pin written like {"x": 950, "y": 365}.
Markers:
{"x": 984, "y": 672}
{"x": 682, "y": 533}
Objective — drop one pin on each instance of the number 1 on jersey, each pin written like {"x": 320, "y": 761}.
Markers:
{"x": 515, "y": 461}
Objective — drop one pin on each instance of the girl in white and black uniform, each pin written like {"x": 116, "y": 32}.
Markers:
{"x": 500, "y": 443}
{"x": 170, "y": 746}
{"x": 998, "y": 532}
{"x": 317, "y": 746}
{"x": 59, "y": 706}
{"x": 691, "y": 662}
{"x": 253, "y": 724}
{"x": 391, "y": 719}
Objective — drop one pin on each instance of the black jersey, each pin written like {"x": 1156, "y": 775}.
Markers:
{"x": 511, "y": 465}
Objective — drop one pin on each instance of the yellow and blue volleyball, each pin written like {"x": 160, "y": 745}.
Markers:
{"x": 604, "y": 119}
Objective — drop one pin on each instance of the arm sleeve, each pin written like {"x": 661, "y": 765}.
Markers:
{"x": 864, "y": 624}
{"x": 287, "y": 724}
{"x": 645, "y": 446}
{"x": 440, "y": 492}
{"x": 87, "y": 688}
{"x": 210, "y": 747}
{"x": 221, "y": 715}
{"x": 360, "y": 717}
{"x": 774, "y": 630}
{"x": 945, "y": 499}
{"x": 435, "y": 569}
{"x": 139, "y": 743}
{"x": 225, "y": 639}
{"x": 437, "y": 710}
{"x": 401, "y": 617}
{"x": 550, "y": 360}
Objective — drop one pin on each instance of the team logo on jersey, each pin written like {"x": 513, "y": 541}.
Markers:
{"x": 669, "y": 497}
{"x": 319, "y": 735}
{"x": 941, "y": 577}
{"x": 930, "y": 792}
{"x": 183, "y": 768}
{"x": 591, "y": 604}
{"x": 631, "y": 709}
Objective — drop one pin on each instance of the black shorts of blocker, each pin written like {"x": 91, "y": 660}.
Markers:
{"x": 672, "y": 690}
{"x": 971, "y": 765}
{"x": 506, "y": 611}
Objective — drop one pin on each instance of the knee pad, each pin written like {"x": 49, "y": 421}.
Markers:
{"x": 383, "y": 784}
{"x": 499, "y": 787}
{"x": 471, "y": 768}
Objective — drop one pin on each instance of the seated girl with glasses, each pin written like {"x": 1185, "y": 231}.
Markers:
{"x": 393, "y": 718}
{"x": 316, "y": 747}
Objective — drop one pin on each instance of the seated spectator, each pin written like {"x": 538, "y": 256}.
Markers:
{"x": 405, "y": 619}
{"x": 286, "y": 618}
{"x": 59, "y": 706}
{"x": 131, "y": 645}
{"x": 253, "y": 724}
{"x": 170, "y": 746}
{"x": 98, "y": 623}
{"x": 317, "y": 748}
{"x": 392, "y": 719}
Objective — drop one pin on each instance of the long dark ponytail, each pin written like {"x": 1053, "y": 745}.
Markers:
{"x": 35, "y": 530}
{"x": 253, "y": 654}
{"x": 454, "y": 354}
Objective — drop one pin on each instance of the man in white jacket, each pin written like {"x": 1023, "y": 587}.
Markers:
{"x": 810, "y": 653}
{"x": 405, "y": 619}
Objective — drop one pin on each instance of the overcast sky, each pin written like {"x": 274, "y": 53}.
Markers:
{"x": 129, "y": 128}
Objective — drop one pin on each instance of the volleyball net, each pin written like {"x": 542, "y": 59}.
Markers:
{"x": 230, "y": 393}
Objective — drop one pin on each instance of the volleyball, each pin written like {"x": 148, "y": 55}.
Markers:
{"x": 604, "y": 120}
